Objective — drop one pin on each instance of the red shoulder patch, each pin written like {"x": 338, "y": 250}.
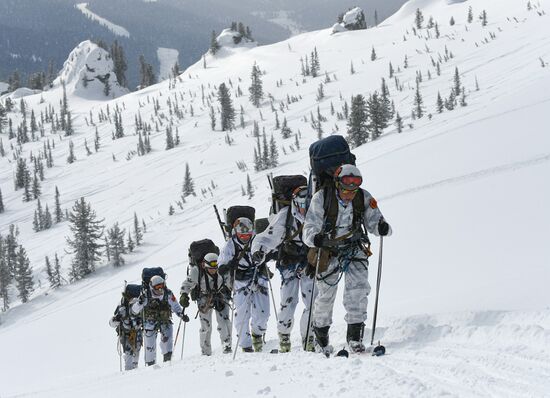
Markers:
{"x": 173, "y": 298}
{"x": 373, "y": 203}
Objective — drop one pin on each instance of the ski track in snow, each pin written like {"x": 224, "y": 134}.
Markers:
{"x": 116, "y": 29}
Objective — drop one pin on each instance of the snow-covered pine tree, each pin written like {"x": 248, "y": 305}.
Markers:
{"x": 470, "y": 14}
{"x": 249, "y": 187}
{"x": 58, "y": 211}
{"x": 71, "y": 158}
{"x": 227, "y": 118}
{"x": 273, "y": 153}
{"x": 188, "y": 183}
{"x": 120, "y": 63}
{"x": 85, "y": 244}
{"x": 138, "y": 233}
{"x": 23, "y": 276}
{"x": 483, "y": 18}
{"x": 214, "y": 45}
{"x": 457, "y": 83}
{"x": 256, "y": 86}
{"x": 439, "y": 104}
{"x": 357, "y": 123}
{"x": 418, "y": 19}
{"x": 398, "y": 122}
{"x": 315, "y": 63}
{"x": 5, "y": 276}
{"x": 1, "y": 203}
{"x": 286, "y": 132}
{"x": 377, "y": 117}
{"x": 116, "y": 246}
{"x": 212, "y": 115}
{"x": 373, "y": 55}
{"x": 418, "y": 103}
{"x": 36, "y": 190}
{"x": 130, "y": 242}
{"x": 169, "y": 138}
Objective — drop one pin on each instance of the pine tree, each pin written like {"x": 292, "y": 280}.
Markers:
{"x": 457, "y": 83}
{"x": 227, "y": 118}
{"x": 398, "y": 122}
{"x": 116, "y": 246}
{"x": 58, "y": 211}
{"x": 273, "y": 153}
{"x": 86, "y": 243}
{"x": 169, "y": 138}
{"x": 71, "y": 158}
{"x": 315, "y": 64}
{"x": 373, "y": 55}
{"x": 470, "y": 14}
{"x": 249, "y": 187}
{"x": 452, "y": 21}
{"x": 120, "y": 64}
{"x": 440, "y": 105}
{"x": 357, "y": 123}
{"x": 351, "y": 68}
{"x": 23, "y": 276}
{"x": 484, "y": 18}
{"x": 1, "y": 203}
{"x": 376, "y": 115}
{"x": 419, "y": 19}
{"x": 36, "y": 190}
{"x": 50, "y": 272}
{"x": 130, "y": 245}
{"x": 171, "y": 210}
{"x": 256, "y": 86}
{"x": 265, "y": 152}
{"x": 188, "y": 183}
{"x": 212, "y": 115}
{"x": 5, "y": 275}
{"x": 47, "y": 219}
{"x": 286, "y": 132}
{"x": 418, "y": 103}
{"x": 214, "y": 45}
{"x": 138, "y": 233}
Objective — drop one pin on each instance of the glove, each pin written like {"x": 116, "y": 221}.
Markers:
{"x": 383, "y": 227}
{"x": 310, "y": 271}
{"x": 319, "y": 240}
{"x": 184, "y": 300}
{"x": 141, "y": 299}
{"x": 258, "y": 257}
{"x": 218, "y": 304}
{"x": 183, "y": 317}
{"x": 226, "y": 268}
{"x": 226, "y": 292}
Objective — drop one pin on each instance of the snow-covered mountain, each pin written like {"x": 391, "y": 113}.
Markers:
{"x": 464, "y": 304}
{"x": 89, "y": 73}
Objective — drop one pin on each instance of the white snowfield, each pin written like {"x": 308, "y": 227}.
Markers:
{"x": 464, "y": 305}
{"x": 167, "y": 59}
{"x": 116, "y": 29}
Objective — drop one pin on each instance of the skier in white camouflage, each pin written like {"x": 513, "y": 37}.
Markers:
{"x": 157, "y": 304}
{"x": 129, "y": 330}
{"x": 251, "y": 291}
{"x": 284, "y": 236}
{"x": 213, "y": 294}
{"x": 334, "y": 227}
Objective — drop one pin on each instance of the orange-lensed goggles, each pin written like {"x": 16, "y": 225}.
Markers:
{"x": 159, "y": 286}
{"x": 351, "y": 182}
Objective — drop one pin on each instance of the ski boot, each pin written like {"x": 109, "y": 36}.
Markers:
{"x": 257, "y": 342}
{"x": 284, "y": 342}
{"x": 321, "y": 336}
{"x": 168, "y": 356}
{"x": 227, "y": 349}
{"x": 248, "y": 349}
{"x": 151, "y": 363}
{"x": 310, "y": 345}
{"x": 355, "y": 337}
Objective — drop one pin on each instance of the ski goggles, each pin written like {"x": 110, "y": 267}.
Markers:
{"x": 160, "y": 286}
{"x": 351, "y": 182}
{"x": 245, "y": 236}
{"x": 211, "y": 264}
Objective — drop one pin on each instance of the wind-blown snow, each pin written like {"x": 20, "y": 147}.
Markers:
{"x": 464, "y": 304}
{"x": 116, "y": 29}
{"x": 284, "y": 19}
{"x": 3, "y": 87}
{"x": 167, "y": 58}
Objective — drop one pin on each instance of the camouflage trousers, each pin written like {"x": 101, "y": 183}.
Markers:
{"x": 131, "y": 342}
{"x": 224, "y": 328}
{"x": 294, "y": 284}
{"x": 356, "y": 291}
{"x": 252, "y": 308}
{"x": 166, "y": 342}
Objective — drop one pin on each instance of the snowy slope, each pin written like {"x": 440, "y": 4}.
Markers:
{"x": 465, "y": 309}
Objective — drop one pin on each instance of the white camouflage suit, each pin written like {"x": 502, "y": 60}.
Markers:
{"x": 210, "y": 286}
{"x": 251, "y": 298}
{"x": 293, "y": 279}
{"x": 129, "y": 334}
{"x": 152, "y": 326}
{"x": 356, "y": 285}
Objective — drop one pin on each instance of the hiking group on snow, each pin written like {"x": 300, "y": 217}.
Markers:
{"x": 317, "y": 235}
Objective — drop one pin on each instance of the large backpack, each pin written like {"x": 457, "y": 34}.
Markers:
{"x": 326, "y": 156}
{"x": 235, "y": 212}
{"x": 132, "y": 291}
{"x": 148, "y": 273}
{"x": 261, "y": 224}
{"x": 282, "y": 188}
{"x": 200, "y": 248}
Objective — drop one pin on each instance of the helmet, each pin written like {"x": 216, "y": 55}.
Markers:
{"x": 244, "y": 229}
{"x": 157, "y": 284}
{"x": 348, "y": 177}
{"x": 211, "y": 261}
{"x": 299, "y": 198}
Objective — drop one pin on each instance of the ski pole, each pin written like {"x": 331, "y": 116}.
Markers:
{"x": 220, "y": 222}
{"x": 379, "y": 276}
{"x": 183, "y": 339}
{"x": 177, "y": 333}
{"x": 311, "y": 302}
{"x": 273, "y": 299}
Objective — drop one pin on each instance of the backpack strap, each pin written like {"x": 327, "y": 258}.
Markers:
{"x": 330, "y": 205}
